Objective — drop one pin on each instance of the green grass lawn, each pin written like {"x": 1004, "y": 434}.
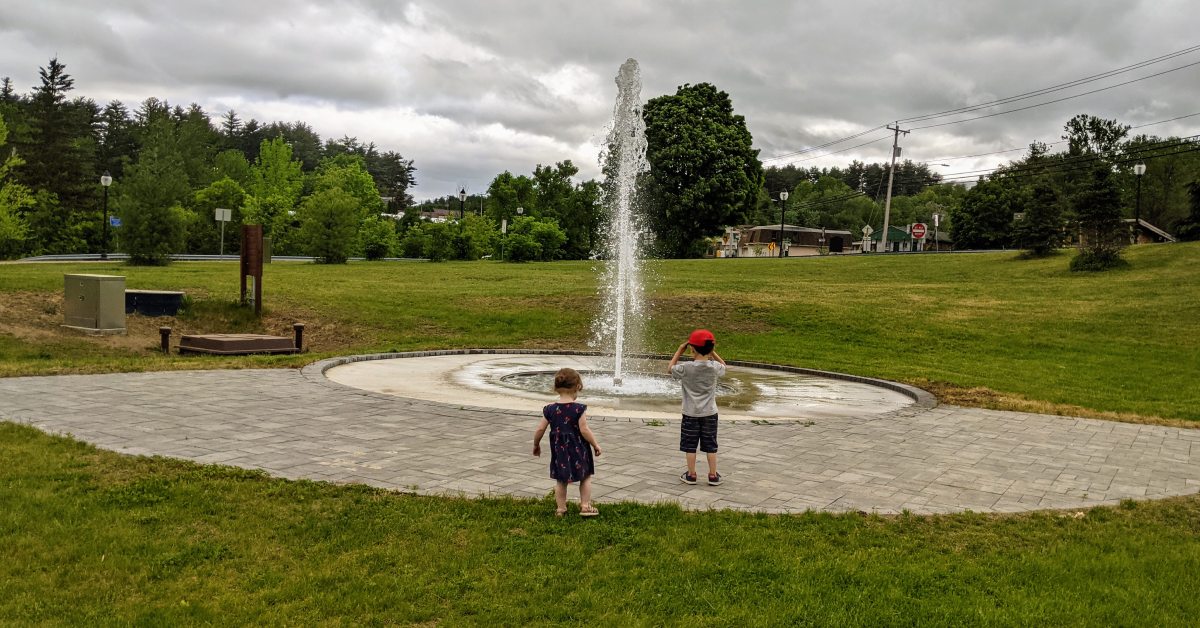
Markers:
{"x": 1120, "y": 342}
{"x": 93, "y": 537}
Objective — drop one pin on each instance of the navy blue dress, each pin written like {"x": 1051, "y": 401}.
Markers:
{"x": 570, "y": 454}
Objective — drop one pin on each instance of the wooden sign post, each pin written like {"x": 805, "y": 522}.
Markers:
{"x": 252, "y": 264}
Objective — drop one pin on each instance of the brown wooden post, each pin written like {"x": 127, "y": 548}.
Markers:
{"x": 165, "y": 334}
{"x": 252, "y": 263}
{"x": 298, "y": 329}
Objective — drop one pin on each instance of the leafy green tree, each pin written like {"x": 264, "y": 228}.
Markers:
{"x": 204, "y": 232}
{"x": 574, "y": 208}
{"x": 521, "y": 247}
{"x": 14, "y": 199}
{"x": 705, "y": 169}
{"x": 329, "y": 222}
{"x": 1090, "y": 135}
{"x": 439, "y": 243}
{"x": 349, "y": 174}
{"x": 378, "y": 237}
{"x": 414, "y": 242}
{"x": 276, "y": 182}
{"x": 984, "y": 220}
{"x": 232, "y": 164}
{"x": 506, "y": 193}
{"x": 1040, "y": 230}
{"x": 1101, "y": 232}
{"x": 150, "y": 200}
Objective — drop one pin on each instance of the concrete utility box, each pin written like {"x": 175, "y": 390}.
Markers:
{"x": 94, "y": 302}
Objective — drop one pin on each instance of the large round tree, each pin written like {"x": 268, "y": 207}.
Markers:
{"x": 705, "y": 173}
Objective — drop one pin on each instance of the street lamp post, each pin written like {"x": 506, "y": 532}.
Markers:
{"x": 462, "y": 202}
{"x": 1139, "y": 170}
{"x": 782, "y": 208}
{"x": 105, "y": 181}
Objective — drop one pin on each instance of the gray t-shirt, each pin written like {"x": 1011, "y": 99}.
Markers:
{"x": 699, "y": 380}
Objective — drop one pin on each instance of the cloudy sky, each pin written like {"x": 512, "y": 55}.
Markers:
{"x": 468, "y": 89}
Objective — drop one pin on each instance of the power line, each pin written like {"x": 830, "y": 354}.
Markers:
{"x": 1009, "y": 150}
{"x": 1026, "y": 95}
{"x": 1054, "y": 88}
{"x": 1088, "y": 159}
{"x": 1057, "y": 100}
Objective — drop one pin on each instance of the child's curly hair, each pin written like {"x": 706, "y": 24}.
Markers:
{"x": 568, "y": 379}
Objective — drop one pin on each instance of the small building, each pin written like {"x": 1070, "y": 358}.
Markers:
{"x": 1146, "y": 233}
{"x": 762, "y": 241}
{"x": 898, "y": 241}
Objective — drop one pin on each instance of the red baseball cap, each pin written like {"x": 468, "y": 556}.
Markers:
{"x": 701, "y": 336}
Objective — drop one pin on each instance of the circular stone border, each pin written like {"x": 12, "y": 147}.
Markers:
{"x": 315, "y": 372}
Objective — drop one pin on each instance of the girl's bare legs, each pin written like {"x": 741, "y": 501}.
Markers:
{"x": 560, "y": 495}
{"x": 585, "y": 492}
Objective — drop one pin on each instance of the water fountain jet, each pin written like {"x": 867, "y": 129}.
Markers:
{"x": 618, "y": 326}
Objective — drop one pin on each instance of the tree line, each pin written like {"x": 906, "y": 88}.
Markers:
{"x": 1083, "y": 193}
{"x": 171, "y": 167}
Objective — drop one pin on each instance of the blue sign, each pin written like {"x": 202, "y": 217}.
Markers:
{"x": 114, "y": 221}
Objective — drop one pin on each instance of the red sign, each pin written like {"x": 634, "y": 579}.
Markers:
{"x": 918, "y": 230}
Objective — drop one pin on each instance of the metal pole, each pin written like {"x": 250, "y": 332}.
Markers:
{"x": 782, "y": 209}
{"x": 887, "y": 206}
{"x": 1137, "y": 216}
{"x": 104, "y": 249}
{"x": 222, "y": 249}
{"x": 783, "y": 197}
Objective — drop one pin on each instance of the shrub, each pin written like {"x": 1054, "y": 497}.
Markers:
{"x": 328, "y": 223}
{"x": 519, "y": 247}
{"x": 378, "y": 237}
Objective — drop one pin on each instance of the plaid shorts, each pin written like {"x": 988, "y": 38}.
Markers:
{"x": 702, "y": 430}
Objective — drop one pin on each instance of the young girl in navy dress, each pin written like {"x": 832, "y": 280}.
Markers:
{"x": 570, "y": 454}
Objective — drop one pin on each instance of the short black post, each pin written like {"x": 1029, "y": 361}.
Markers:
{"x": 165, "y": 333}
{"x": 299, "y": 329}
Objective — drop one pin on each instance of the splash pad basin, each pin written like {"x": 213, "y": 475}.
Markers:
{"x": 522, "y": 382}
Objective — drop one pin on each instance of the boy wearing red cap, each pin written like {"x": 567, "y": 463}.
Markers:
{"x": 699, "y": 381}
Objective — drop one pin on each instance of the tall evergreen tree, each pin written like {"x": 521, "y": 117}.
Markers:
{"x": 118, "y": 140}
{"x": 1040, "y": 230}
{"x": 150, "y": 199}
{"x": 57, "y": 157}
{"x": 1102, "y": 235}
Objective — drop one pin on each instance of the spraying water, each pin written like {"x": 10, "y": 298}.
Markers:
{"x": 623, "y": 160}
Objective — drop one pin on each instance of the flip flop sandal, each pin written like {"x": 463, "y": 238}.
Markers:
{"x": 560, "y": 512}
{"x": 590, "y": 511}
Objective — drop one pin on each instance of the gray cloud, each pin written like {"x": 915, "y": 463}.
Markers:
{"x": 469, "y": 88}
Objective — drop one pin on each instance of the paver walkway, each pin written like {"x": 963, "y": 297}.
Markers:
{"x": 291, "y": 425}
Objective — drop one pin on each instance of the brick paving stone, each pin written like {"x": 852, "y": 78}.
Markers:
{"x": 943, "y": 459}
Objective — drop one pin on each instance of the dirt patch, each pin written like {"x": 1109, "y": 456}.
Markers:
{"x": 983, "y": 397}
{"x": 37, "y": 317}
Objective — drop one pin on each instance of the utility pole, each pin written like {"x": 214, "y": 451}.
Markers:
{"x": 887, "y": 205}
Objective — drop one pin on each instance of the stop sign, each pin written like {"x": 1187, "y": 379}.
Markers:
{"x": 918, "y": 230}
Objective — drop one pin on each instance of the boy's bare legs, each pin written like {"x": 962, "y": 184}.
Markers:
{"x": 712, "y": 463}
{"x": 691, "y": 462}
{"x": 560, "y": 495}
{"x": 585, "y": 493}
